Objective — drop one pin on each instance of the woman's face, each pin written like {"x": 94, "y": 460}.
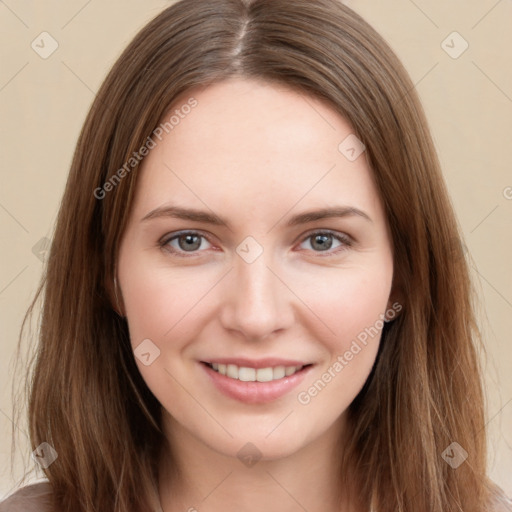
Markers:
{"x": 258, "y": 246}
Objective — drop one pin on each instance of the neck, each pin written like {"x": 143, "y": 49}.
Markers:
{"x": 200, "y": 478}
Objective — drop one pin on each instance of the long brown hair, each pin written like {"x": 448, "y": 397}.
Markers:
{"x": 87, "y": 398}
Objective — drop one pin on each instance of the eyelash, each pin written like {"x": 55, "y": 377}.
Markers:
{"x": 344, "y": 239}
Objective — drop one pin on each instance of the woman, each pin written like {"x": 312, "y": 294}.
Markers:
{"x": 255, "y": 297}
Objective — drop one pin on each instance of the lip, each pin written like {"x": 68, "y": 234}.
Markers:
{"x": 255, "y": 392}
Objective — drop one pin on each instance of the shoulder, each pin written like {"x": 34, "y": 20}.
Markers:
{"x": 499, "y": 501}
{"x": 31, "y": 498}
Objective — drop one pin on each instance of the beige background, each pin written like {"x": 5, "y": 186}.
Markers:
{"x": 468, "y": 101}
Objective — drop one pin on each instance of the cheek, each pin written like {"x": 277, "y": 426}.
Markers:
{"x": 159, "y": 306}
{"x": 353, "y": 308}
{"x": 348, "y": 303}
{"x": 145, "y": 304}
{"x": 349, "y": 310}
{"x": 158, "y": 300}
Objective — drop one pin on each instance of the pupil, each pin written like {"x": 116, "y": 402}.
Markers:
{"x": 190, "y": 245}
{"x": 323, "y": 238}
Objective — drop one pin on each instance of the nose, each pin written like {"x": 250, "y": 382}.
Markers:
{"x": 257, "y": 302}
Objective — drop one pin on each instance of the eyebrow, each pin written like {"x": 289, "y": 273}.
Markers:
{"x": 211, "y": 218}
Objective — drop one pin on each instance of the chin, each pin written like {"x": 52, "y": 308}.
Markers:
{"x": 250, "y": 450}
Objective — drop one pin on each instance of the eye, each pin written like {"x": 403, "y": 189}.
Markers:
{"x": 184, "y": 242}
{"x": 322, "y": 241}
{"x": 191, "y": 242}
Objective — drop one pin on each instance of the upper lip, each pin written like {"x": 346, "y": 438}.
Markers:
{"x": 256, "y": 363}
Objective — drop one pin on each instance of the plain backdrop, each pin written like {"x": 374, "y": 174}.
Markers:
{"x": 458, "y": 54}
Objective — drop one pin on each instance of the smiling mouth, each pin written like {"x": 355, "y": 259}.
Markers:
{"x": 247, "y": 374}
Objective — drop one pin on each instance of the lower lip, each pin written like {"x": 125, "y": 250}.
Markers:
{"x": 255, "y": 392}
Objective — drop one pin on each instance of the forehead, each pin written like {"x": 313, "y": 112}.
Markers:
{"x": 254, "y": 146}
{"x": 242, "y": 117}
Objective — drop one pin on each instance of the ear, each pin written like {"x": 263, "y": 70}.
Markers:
{"x": 396, "y": 301}
{"x": 115, "y": 297}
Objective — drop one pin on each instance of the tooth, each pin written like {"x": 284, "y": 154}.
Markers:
{"x": 246, "y": 374}
{"x": 289, "y": 370}
{"x": 255, "y": 375}
{"x": 264, "y": 374}
{"x": 232, "y": 371}
{"x": 278, "y": 373}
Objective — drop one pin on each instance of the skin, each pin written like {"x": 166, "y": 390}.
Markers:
{"x": 255, "y": 154}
